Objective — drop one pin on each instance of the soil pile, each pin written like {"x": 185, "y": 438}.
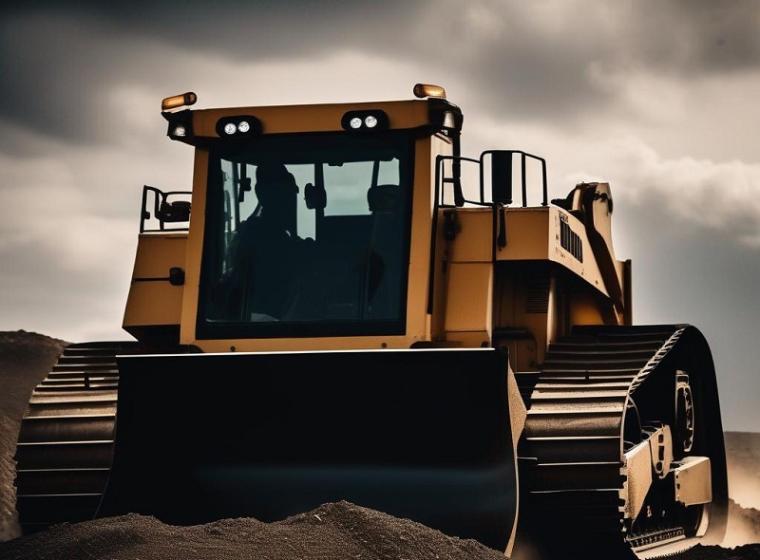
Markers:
{"x": 743, "y": 452}
{"x": 25, "y": 359}
{"x": 340, "y": 531}
{"x": 336, "y": 531}
{"x": 743, "y": 525}
{"x": 746, "y": 552}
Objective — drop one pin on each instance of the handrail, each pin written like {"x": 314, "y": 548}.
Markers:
{"x": 499, "y": 228}
{"x": 441, "y": 178}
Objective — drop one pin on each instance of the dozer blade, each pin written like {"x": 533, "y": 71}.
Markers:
{"x": 422, "y": 434}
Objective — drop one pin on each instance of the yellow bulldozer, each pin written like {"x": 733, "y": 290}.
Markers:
{"x": 346, "y": 308}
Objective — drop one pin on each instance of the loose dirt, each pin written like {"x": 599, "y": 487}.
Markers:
{"x": 746, "y": 552}
{"x": 339, "y": 531}
{"x": 25, "y": 359}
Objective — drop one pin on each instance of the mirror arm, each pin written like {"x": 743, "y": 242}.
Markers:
{"x": 456, "y": 169}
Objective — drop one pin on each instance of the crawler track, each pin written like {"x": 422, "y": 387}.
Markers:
{"x": 580, "y": 420}
{"x": 65, "y": 444}
{"x": 580, "y": 423}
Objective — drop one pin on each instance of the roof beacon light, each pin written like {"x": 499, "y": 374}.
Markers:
{"x": 176, "y": 101}
{"x": 429, "y": 90}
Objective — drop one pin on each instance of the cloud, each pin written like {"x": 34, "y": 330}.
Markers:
{"x": 719, "y": 196}
{"x": 68, "y": 223}
{"x": 69, "y": 210}
{"x": 532, "y": 61}
{"x": 653, "y": 96}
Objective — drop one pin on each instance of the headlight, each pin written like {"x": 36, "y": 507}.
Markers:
{"x": 180, "y": 124}
{"x": 240, "y": 126}
{"x": 364, "y": 121}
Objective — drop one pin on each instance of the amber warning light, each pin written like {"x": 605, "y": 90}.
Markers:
{"x": 178, "y": 101}
{"x": 429, "y": 90}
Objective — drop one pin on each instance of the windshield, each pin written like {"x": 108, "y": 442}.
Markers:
{"x": 307, "y": 236}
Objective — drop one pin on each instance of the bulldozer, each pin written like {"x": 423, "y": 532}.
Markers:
{"x": 346, "y": 308}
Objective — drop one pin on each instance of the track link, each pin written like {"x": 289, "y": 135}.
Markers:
{"x": 65, "y": 445}
{"x": 571, "y": 453}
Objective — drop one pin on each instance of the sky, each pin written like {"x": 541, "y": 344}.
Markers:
{"x": 659, "y": 98}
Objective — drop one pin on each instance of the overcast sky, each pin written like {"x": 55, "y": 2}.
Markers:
{"x": 659, "y": 98}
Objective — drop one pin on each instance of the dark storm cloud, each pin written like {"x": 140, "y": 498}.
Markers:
{"x": 712, "y": 36}
{"x": 50, "y": 82}
{"x": 60, "y": 61}
{"x": 638, "y": 93}
{"x": 540, "y": 60}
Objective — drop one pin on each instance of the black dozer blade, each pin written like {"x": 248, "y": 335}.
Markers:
{"x": 422, "y": 434}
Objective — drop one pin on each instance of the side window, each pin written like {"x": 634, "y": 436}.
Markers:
{"x": 347, "y": 184}
{"x": 347, "y": 187}
{"x": 306, "y": 220}
{"x": 249, "y": 200}
{"x": 388, "y": 172}
{"x": 237, "y": 210}
{"x": 230, "y": 211}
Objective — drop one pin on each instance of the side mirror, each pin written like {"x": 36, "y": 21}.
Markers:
{"x": 177, "y": 211}
{"x": 501, "y": 176}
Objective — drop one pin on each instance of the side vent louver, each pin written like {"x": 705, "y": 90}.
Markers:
{"x": 570, "y": 241}
{"x": 537, "y": 300}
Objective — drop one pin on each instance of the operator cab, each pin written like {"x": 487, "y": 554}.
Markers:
{"x": 307, "y": 235}
{"x": 310, "y": 228}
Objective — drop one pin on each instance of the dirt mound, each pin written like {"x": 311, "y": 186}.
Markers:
{"x": 743, "y": 525}
{"x": 743, "y": 451}
{"x": 746, "y": 552}
{"x": 339, "y": 531}
{"x": 333, "y": 531}
{"x": 25, "y": 359}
